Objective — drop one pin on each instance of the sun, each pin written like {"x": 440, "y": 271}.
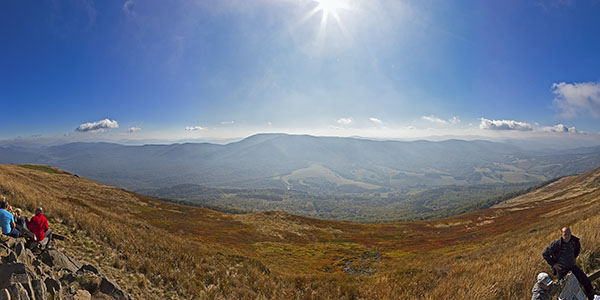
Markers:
{"x": 328, "y": 9}
{"x": 331, "y": 6}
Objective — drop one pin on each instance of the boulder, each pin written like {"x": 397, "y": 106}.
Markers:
{"x": 89, "y": 281}
{"x": 82, "y": 295}
{"x": 87, "y": 269}
{"x": 11, "y": 273}
{"x": 55, "y": 258}
{"x": 11, "y": 258}
{"x": 112, "y": 289}
{"x": 4, "y": 251}
{"x": 23, "y": 254}
{"x": 18, "y": 292}
{"x": 53, "y": 286}
{"x": 4, "y": 295}
{"x": 39, "y": 289}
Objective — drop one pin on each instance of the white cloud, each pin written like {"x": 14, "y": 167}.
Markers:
{"x": 128, "y": 8}
{"x": 269, "y": 123}
{"x": 227, "y": 122}
{"x": 504, "y": 125}
{"x": 375, "y": 120}
{"x": 560, "y": 128}
{"x": 454, "y": 120}
{"x": 344, "y": 121}
{"x": 194, "y": 128}
{"x": 133, "y": 129}
{"x": 97, "y": 126}
{"x": 576, "y": 99}
{"x": 433, "y": 119}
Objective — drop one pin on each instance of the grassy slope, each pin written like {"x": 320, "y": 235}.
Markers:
{"x": 197, "y": 253}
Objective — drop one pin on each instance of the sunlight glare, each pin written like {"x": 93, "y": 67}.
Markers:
{"x": 331, "y": 6}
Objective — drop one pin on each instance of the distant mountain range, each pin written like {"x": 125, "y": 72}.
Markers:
{"x": 308, "y": 163}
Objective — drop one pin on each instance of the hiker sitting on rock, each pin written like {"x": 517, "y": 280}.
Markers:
{"x": 543, "y": 288}
{"x": 7, "y": 221}
{"x": 38, "y": 225}
{"x": 561, "y": 256}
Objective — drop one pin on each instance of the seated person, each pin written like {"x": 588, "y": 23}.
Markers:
{"x": 7, "y": 221}
{"x": 20, "y": 225}
{"x": 38, "y": 225}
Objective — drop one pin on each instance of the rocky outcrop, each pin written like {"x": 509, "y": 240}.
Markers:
{"x": 50, "y": 275}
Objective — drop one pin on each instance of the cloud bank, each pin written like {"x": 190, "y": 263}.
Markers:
{"x": 134, "y": 129}
{"x": 433, "y": 119}
{"x": 454, "y": 120}
{"x": 504, "y": 125}
{"x": 97, "y": 126}
{"x": 375, "y": 120}
{"x": 577, "y": 99}
{"x": 194, "y": 128}
{"x": 344, "y": 121}
{"x": 560, "y": 128}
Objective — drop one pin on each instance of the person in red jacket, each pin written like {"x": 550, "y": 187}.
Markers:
{"x": 38, "y": 225}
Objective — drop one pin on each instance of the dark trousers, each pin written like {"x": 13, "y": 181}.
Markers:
{"x": 13, "y": 233}
{"x": 581, "y": 277}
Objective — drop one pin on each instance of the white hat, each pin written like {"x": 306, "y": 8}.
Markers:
{"x": 544, "y": 278}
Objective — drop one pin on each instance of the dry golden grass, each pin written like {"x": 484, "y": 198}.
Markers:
{"x": 159, "y": 250}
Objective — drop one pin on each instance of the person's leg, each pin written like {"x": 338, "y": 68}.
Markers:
{"x": 15, "y": 233}
{"x": 48, "y": 236}
{"x": 561, "y": 274}
{"x": 584, "y": 281}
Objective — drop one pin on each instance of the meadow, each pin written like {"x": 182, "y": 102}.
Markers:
{"x": 161, "y": 250}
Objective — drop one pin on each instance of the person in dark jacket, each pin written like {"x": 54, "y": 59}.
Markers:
{"x": 561, "y": 256}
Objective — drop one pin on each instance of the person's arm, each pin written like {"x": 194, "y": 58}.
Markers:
{"x": 577, "y": 247}
{"x": 46, "y": 226}
{"x": 548, "y": 255}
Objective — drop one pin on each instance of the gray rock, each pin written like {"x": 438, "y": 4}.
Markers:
{"x": 11, "y": 258}
{"x": 112, "y": 289}
{"x": 55, "y": 258}
{"x": 39, "y": 289}
{"x": 53, "y": 286}
{"x": 4, "y": 294}
{"x": 4, "y": 251}
{"x": 82, "y": 295}
{"x": 12, "y": 273}
{"x": 23, "y": 254}
{"x": 87, "y": 269}
{"x": 107, "y": 286}
{"x": 18, "y": 292}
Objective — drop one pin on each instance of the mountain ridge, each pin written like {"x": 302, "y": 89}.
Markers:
{"x": 262, "y": 160}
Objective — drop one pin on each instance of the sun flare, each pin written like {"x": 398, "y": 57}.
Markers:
{"x": 331, "y": 6}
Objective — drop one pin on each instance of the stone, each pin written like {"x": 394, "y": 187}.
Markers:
{"x": 4, "y": 251}
{"x": 87, "y": 269}
{"x": 107, "y": 286}
{"x": 90, "y": 282}
{"x": 23, "y": 254}
{"x": 53, "y": 286}
{"x": 112, "y": 289}
{"x": 4, "y": 294}
{"x": 18, "y": 292}
{"x": 11, "y": 258}
{"x": 11, "y": 273}
{"x": 55, "y": 258}
{"x": 68, "y": 277}
{"x": 39, "y": 289}
{"x": 82, "y": 295}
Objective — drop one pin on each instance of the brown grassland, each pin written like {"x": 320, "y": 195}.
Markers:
{"x": 159, "y": 250}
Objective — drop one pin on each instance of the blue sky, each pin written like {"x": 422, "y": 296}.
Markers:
{"x": 170, "y": 70}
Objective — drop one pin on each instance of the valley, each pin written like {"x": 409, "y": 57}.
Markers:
{"x": 204, "y": 254}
